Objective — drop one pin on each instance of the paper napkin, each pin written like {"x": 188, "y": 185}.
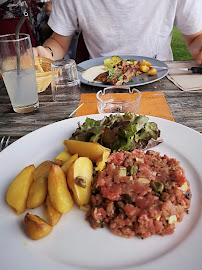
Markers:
{"x": 185, "y": 80}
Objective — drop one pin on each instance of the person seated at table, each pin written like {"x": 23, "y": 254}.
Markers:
{"x": 47, "y": 31}
{"x": 124, "y": 27}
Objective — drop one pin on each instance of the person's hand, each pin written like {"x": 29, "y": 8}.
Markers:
{"x": 199, "y": 56}
{"x": 194, "y": 44}
{"x": 196, "y": 49}
{"x": 41, "y": 51}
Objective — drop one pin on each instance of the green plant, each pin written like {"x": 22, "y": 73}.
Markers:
{"x": 179, "y": 48}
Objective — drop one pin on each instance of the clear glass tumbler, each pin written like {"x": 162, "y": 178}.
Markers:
{"x": 118, "y": 99}
{"x": 18, "y": 72}
{"x": 64, "y": 79}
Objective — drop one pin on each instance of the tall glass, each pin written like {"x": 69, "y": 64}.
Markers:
{"x": 18, "y": 72}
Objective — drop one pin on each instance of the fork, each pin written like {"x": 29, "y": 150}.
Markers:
{"x": 80, "y": 69}
{"x": 2, "y": 144}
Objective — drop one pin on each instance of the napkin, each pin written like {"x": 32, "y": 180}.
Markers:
{"x": 185, "y": 80}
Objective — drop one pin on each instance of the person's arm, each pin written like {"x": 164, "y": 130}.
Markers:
{"x": 194, "y": 44}
{"x": 47, "y": 8}
{"x": 58, "y": 44}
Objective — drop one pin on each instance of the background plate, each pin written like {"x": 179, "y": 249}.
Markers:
{"x": 137, "y": 80}
{"x": 73, "y": 244}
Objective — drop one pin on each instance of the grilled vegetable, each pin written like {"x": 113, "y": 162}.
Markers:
{"x": 111, "y": 62}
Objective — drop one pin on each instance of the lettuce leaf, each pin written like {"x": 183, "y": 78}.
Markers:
{"x": 119, "y": 132}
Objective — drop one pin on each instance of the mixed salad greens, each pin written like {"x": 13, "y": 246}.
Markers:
{"x": 119, "y": 132}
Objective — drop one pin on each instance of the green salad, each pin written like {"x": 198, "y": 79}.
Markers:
{"x": 119, "y": 132}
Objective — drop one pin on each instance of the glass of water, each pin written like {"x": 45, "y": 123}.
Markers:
{"x": 18, "y": 72}
{"x": 65, "y": 79}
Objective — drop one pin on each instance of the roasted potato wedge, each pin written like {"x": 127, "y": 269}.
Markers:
{"x": 59, "y": 194}
{"x": 53, "y": 215}
{"x": 62, "y": 157}
{"x": 138, "y": 73}
{"x": 38, "y": 192}
{"x": 39, "y": 187}
{"x": 143, "y": 68}
{"x": 43, "y": 169}
{"x": 152, "y": 72}
{"x": 19, "y": 188}
{"x": 36, "y": 228}
{"x": 68, "y": 163}
{"x": 91, "y": 150}
{"x": 145, "y": 63}
{"x": 102, "y": 162}
{"x": 79, "y": 178}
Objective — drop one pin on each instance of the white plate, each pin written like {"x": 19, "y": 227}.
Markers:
{"x": 73, "y": 244}
{"x": 137, "y": 80}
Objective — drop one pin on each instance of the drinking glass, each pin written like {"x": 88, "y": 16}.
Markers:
{"x": 118, "y": 99}
{"x": 18, "y": 72}
{"x": 65, "y": 79}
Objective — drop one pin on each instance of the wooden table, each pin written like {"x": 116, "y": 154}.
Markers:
{"x": 186, "y": 108}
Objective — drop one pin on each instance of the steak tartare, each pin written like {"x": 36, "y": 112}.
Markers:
{"x": 139, "y": 194}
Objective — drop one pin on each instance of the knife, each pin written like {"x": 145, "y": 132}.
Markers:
{"x": 192, "y": 69}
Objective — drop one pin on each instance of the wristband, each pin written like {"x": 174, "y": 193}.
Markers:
{"x": 49, "y": 49}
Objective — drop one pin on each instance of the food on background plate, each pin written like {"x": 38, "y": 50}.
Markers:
{"x": 118, "y": 71}
{"x": 120, "y": 74}
{"x": 113, "y": 61}
{"x": 139, "y": 194}
{"x": 152, "y": 72}
{"x": 119, "y": 132}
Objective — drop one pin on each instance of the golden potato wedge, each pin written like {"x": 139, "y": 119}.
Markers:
{"x": 102, "y": 162}
{"x": 62, "y": 157}
{"x": 53, "y": 215}
{"x": 39, "y": 187}
{"x": 59, "y": 194}
{"x": 43, "y": 169}
{"x": 38, "y": 192}
{"x": 91, "y": 150}
{"x": 138, "y": 73}
{"x": 68, "y": 163}
{"x": 152, "y": 72}
{"x": 144, "y": 68}
{"x": 36, "y": 228}
{"x": 19, "y": 188}
{"x": 79, "y": 178}
{"x": 145, "y": 63}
